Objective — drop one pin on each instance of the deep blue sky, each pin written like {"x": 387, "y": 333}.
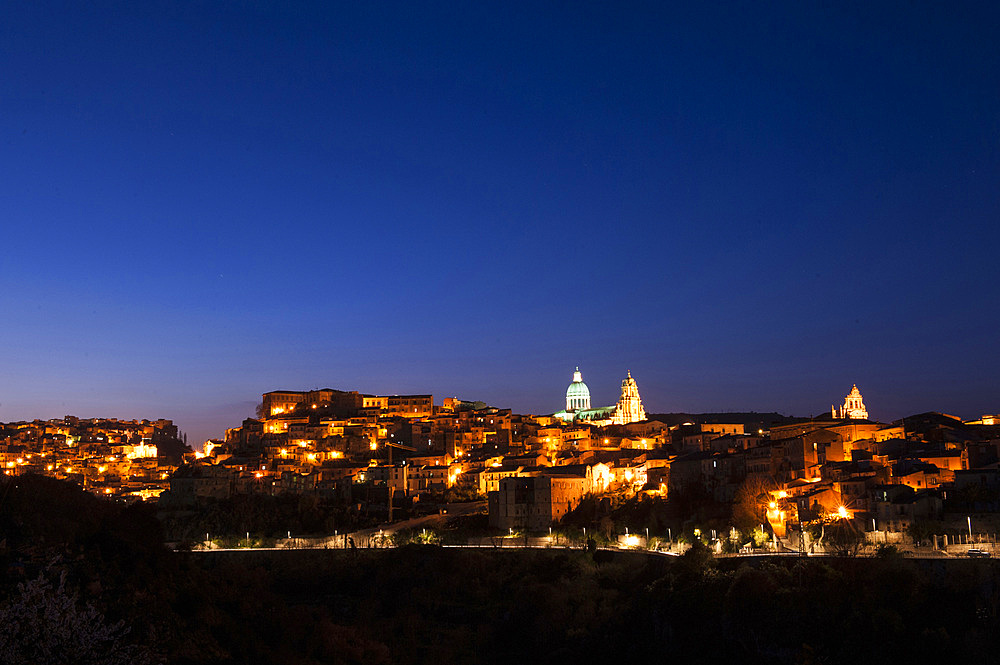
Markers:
{"x": 750, "y": 206}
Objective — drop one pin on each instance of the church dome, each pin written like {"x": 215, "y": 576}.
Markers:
{"x": 578, "y": 394}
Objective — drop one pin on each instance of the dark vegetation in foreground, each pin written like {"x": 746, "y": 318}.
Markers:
{"x": 270, "y": 517}
{"x": 126, "y": 599}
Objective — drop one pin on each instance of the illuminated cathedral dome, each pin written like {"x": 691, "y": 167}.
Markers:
{"x": 578, "y": 394}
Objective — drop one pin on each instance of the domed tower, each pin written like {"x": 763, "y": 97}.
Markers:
{"x": 629, "y": 408}
{"x": 578, "y": 394}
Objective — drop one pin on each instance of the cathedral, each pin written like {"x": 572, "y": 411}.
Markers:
{"x": 854, "y": 407}
{"x": 578, "y": 409}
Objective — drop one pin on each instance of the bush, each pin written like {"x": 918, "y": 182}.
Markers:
{"x": 44, "y": 623}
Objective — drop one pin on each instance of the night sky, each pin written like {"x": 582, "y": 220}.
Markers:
{"x": 751, "y": 206}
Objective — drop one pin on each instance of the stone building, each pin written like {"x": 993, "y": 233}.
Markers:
{"x": 853, "y": 408}
{"x": 629, "y": 408}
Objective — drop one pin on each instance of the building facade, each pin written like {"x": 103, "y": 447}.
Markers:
{"x": 853, "y": 408}
{"x": 629, "y": 408}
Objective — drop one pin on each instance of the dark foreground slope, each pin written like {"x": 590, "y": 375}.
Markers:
{"x": 433, "y": 605}
{"x": 428, "y": 604}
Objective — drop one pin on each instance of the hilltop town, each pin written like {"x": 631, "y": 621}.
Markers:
{"x": 384, "y": 458}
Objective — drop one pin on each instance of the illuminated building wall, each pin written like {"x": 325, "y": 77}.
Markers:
{"x": 278, "y": 402}
{"x": 374, "y": 402}
{"x": 721, "y": 429}
{"x": 412, "y": 406}
{"x": 140, "y": 451}
{"x": 534, "y": 502}
{"x": 428, "y": 478}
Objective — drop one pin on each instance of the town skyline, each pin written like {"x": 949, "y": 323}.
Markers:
{"x": 200, "y": 433}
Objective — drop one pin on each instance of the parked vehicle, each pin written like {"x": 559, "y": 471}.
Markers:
{"x": 977, "y": 554}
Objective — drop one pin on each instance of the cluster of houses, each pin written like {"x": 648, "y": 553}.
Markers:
{"x": 362, "y": 449}
{"x": 125, "y": 459}
{"x": 532, "y": 470}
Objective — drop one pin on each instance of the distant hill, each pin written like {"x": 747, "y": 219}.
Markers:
{"x": 923, "y": 422}
{"x": 934, "y": 426}
{"x": 751, "y": 419}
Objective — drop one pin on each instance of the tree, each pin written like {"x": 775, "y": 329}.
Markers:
{"x": 696, "y": 560}
{"x": 607, "y": 526}
{"x": 45, "y": 624}
{"x": 921, "y": 531}
{"x": 750, "y": 503}
{"x": 843, "y": 538}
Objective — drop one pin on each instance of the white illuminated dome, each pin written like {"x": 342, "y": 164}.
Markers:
{"x": 578, "y": 394}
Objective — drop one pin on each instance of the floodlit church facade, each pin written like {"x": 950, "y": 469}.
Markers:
{"x": 578, "y": 407}
{"x": 853, "y": 408}
{"x": 629, "y": 408}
